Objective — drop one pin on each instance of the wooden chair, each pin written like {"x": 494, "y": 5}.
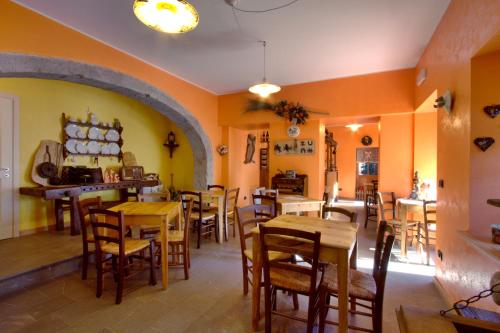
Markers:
{"x": 110, "y": 240}
{"x": 204, "y": 222}
{"x": 371, "y": 208}
{"x": 351, "y": 216}
{"x": 325, "y": 198}
{"x": 268, "y": 205}
{"x": 178, "y": 240}
{"x": 146, "y": 230}
{"x": 269, "y": 192}
{"x": 295, "y": 278}
{"x": 387, "y": 212}
{"x": 230, "y": 203}
{"x": 427, "y": 229}
{"x": 246, "y": 220}
{"x": 365, "y": 290}
{"x": 215, "y": 187}
{"x": 86, "y": 230}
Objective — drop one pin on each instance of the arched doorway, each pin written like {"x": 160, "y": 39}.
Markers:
{"x": 29, "y": 66}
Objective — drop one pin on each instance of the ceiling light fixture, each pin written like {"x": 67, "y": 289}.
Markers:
{"x": 170, "y": 16}
{"x": 264, "y": 89}
{"x": 354, "y": 127}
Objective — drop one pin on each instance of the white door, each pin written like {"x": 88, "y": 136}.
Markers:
{"x": 8, "y": 123}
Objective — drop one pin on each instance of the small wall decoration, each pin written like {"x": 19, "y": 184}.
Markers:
{"x": 170, "y": 143}
{"x": 484, "y": 143}
{"x": 293, "y": 131}
{"x": 366, "y": 140}
{"x": 294, "y": 147}
{"x": 222, "y": 150}
{"x": 492, "y": 110}
{"x": 250, "y": 149}
{"x": 293, "y": 112}
{"x": 445, "y": 102}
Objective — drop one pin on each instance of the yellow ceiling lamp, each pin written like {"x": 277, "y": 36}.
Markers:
{"x": 170, "y": 16}
{"x": 264, "y": 89}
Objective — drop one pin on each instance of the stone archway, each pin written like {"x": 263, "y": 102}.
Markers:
{"x": 29, "y": 66}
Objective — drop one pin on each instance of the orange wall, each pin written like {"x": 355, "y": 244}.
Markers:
{"x": 464, "y": 29}
{"x": 23, "y": 31}
{"x": 485, "y": 182}
{"x": 396, "y": 154}
{"x": 311, "y": 165}
{"x": 425, "y": 146}
{"x": 244, "y": 176}
{"x": 348, "y": 141}
{"x": 372, "y": 94}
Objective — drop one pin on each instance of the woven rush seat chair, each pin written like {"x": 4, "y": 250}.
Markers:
{"x": 365, "y": 290}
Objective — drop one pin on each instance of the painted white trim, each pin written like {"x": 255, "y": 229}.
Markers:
{"x": 16, "y": 173}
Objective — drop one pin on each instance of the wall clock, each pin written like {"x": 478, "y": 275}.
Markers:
{"x": 366, "y": 140}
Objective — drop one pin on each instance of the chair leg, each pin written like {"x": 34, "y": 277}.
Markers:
{"x": 99, "y": 275}
{"x": 274, "y": 299}
{"x": 85, "y": 262}
{"x": 322, "y": 310}
{"x": 245, "y": 276}
{"x": 152, "y": 269}
{"x": 198, "y": 226}
{"x": 427, "y": 252}
{"x": 267, "y": 311}
{"x": 367, "y": 212}
{"x": 115, "y": 268}
{"x": 377, "y": 318}
{"x": 353, "y": 303}
{"x": 121, "y": 276}
{"x": 185, "y": 261}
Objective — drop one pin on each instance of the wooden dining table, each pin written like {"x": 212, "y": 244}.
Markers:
{"x": 298, "y": 204}
{"x": 405, "y": 206}
{"x": 337, "y": 244}
{"x": 153, "y": 213}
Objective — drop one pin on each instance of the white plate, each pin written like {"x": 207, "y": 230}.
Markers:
{"x": 93, "y": 147}
{"x": 81, "y": 133}
{"x": 71, "y": 146}
{"x": 114, "y": 149}
{"x": 112, "y": 135}
{"x": 72, "y": 130}
{"x": 81, "y": 148}
{"x": 101, "y": 136}
{"x": 105, "y": 149}
{"x": 94, "y": 133}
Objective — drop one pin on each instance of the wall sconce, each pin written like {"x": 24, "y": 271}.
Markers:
{"x": 354, "y": 127}
{"x": 445, "y": 101}
{"x": 170, "y": 143}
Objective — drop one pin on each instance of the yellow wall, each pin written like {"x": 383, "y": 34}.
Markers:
{"x": 43, "y": 101}
{"x": 348, "y": 141}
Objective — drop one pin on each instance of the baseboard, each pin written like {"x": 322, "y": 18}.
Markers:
{"x": 442, "y": 291}
{"x": 51, "y": 227}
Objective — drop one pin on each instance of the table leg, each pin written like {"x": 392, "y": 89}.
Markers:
{"x": 343, "y": 283}
{"x": 403, "y": 211}
{"x": 74, "y": 218}
{"x": 256, "y": 277}
{"x": 164, "y": 252}
{"x": 59, "y": 214}
{"x": 220, "y": 211}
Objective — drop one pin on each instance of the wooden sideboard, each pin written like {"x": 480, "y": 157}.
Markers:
{"x": 69, "y": 195}
{"x": 286, "y": 185}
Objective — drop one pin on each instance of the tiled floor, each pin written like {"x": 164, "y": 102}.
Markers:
{"x": 211, "y": 301}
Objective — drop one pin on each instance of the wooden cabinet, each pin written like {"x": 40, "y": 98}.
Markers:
{"x": 285, "y": 185}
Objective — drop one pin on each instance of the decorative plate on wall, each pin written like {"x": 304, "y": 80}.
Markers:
{"x": 366, "y": 140}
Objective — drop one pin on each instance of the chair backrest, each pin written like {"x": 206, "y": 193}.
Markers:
{"x": 231, "y": 199}
{"x": 386, "y": 202}
{"x": 430, "y": 211}
{"x": 187, "y": 207}
{"x": 269, "y": 192}
{"x": 351, "y": 216}
{"x": 83, "y": 212}
{"x": 154, "y": 197}
{"x": 111, "y": 230}
{"x": 294, "y": 242}
{"x": 383, "y": 247}
{"x": 197, "y": 207}
{"x": 215, "y": 187}
{"x": 325, "y": 198}
{"x": 246, "y": 220}
{"x": 270, "y": 209}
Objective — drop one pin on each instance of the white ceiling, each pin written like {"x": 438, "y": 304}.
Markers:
{"x": 310, "y": 40}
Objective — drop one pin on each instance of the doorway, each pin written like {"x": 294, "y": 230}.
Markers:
{"x": 9, "y": 150}
{"x": 366, "y": 171}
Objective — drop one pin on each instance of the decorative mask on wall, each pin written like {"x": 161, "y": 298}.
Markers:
{"x": 484, "y": 143}
{"x": 222, "y": 150}
{"x": 492, "y": 110}
{"x": 250, "y": 149}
